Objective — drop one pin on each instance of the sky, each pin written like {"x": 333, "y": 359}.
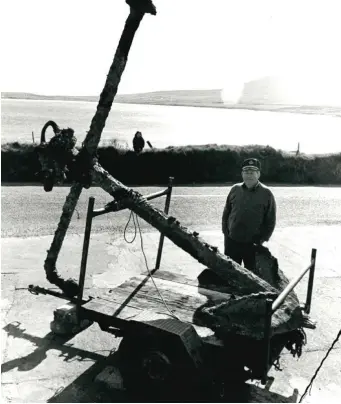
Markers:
{"x": 66, "y": 47}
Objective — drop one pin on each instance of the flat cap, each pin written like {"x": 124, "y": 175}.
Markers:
{"x": 251, "y": 163}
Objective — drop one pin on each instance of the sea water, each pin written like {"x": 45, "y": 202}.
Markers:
{"x": 174, "y": 125}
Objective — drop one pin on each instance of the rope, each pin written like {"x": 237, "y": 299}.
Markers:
{"x": 125, "y": 229}
{"x": 145, "y": 260}
{"x": 318, "y": 369}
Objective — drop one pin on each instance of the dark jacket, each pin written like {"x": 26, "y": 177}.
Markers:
{"x": 250, "y": 214}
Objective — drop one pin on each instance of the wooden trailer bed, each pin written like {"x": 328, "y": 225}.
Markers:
{"x": 137, "y": 299}
{"x": 138, "y": 296}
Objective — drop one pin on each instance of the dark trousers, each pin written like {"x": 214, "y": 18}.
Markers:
{"x": 241, "y": 252}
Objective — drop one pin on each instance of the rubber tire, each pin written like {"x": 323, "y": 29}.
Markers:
{"x": 132, "y": 351}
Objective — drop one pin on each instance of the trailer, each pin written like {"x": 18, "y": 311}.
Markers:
{"x": 166, "y": 346}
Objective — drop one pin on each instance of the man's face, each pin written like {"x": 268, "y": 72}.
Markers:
{"x": 250, "y": 177}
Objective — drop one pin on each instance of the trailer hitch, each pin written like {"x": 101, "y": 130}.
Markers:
{"x": 38, "y": 290}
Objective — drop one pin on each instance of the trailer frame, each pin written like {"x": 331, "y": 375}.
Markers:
{"x": 120, "y": 328}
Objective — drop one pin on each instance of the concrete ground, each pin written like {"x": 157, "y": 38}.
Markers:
{"x": 37, "y": 366}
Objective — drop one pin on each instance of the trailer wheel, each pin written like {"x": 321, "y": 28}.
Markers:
{"x": 149, "y": 366}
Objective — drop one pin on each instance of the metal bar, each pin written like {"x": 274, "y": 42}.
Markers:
{"x": 280, "y": 299}
{"x": 162, "y": 237}
{"x": 85, "y": 251}
{"x": 267, "y": 338}
{"x": 104, "y": 320}
{"x": 157, "y": 194}
{"x": 310, "y": 281}
{"x": 37, "y": 290}
{"x": 102, "y": 211}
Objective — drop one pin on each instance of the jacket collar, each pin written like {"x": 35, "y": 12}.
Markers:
{"x": 253, "y": 188}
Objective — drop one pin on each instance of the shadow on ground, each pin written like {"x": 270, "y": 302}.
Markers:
{"x": 88, "y": 387}
{"x": 43, "y": 345}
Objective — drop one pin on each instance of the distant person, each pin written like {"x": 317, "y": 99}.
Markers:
{"x": 138, "y": 142}
{"x": 249, "y": 216}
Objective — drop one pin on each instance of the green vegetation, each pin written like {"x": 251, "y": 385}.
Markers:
{"x": 189, "y": 165}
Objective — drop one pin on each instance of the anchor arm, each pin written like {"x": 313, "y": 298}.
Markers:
{"x": 242, "y": 279}
{"x": 137, "y": 11}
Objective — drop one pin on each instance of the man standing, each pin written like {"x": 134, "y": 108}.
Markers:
{"x": 249, "y": 215}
